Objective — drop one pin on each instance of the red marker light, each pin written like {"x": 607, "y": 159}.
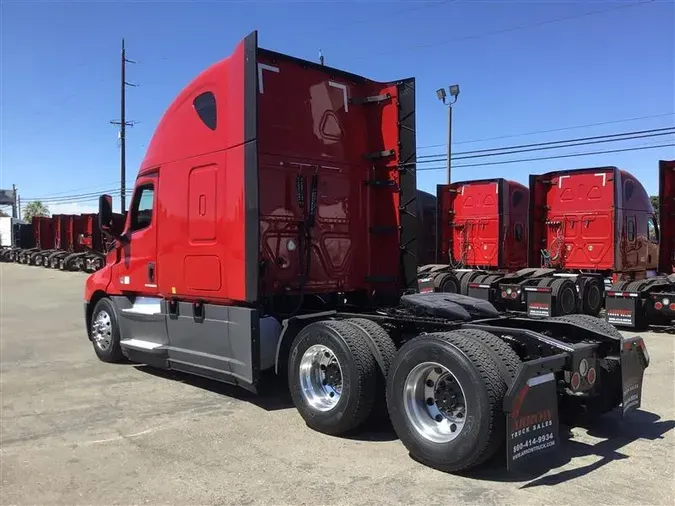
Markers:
{"x": 591, "y": 376}
{"x": 503, "y": 295}
{"x": 672, "y": 306}
{"x": 575, "y": 381}
{"x": 658, "y": 306}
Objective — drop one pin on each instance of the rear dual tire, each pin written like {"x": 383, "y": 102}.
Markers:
{"x": 334, "y": 379}
{"x": 424, "y": 414}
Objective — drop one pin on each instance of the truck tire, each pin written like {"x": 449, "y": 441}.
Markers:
{"x": 565, "y": 294}
{"x": 591, "y": 298}
{"x": 104, "y": 332}
{"x": 446, "y": 282}
{"x": 592, "y": 323}
{"x": 465, "y": 279}
{"x": 332, "y": 377}
{"x": 386, "y": 352}
{"x": 432, "y": 381}
{"x": 509, "y": 360}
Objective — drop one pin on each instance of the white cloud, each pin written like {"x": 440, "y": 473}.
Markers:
{"x": 72, "y": 208}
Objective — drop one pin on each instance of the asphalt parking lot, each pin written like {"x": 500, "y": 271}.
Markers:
{"x": 78, "y": 431}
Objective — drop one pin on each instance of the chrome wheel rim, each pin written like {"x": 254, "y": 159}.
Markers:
{"x": 320, "y": 377}
{"x": 434, "y": 402}
{"x": 101, "y": 330}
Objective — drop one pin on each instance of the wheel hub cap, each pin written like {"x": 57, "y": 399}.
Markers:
{"x": 101, "y": 330}
{"x": 434, "y": 402}
{"x": 320, "y": 377}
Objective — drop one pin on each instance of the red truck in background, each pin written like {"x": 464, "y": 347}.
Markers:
{"x": 45, "y": 239}
{"x": 638, "y": 300}
{"x": 482, "y": 229}
{"x": 586, "y": 229}
{"x": 67, "y": 242}
{"x": 274, "y": 232}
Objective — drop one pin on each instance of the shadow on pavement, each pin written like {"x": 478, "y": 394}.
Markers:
{"x": 275, "y": 396}
{"x": 616, "y": 434}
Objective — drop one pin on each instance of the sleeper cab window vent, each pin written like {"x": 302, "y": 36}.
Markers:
{"x": 205, "y": 105}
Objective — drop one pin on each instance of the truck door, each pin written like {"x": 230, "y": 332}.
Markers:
{"x": 137, "y": 270}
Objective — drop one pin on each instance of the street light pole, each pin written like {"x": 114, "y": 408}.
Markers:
{"x": 442, "y": 96}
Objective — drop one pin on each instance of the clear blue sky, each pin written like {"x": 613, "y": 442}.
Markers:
{"x": 60, "y": 75}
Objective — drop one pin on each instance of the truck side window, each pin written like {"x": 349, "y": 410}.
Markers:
{"x": 141, "y": 211}
{"x": 516, "y": 198}
{"x": 631, "y": 230}
{"x": 652, "y": 230}
{"x": 205, "y": 105}
{"x": 518, "y": 232}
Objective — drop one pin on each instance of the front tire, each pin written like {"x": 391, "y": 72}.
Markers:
{"x": 104, "y": 332}
{"x": 444, "y": 395}
{"x": 332, "y": 377}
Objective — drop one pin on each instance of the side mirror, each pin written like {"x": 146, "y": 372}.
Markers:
{"x": 105, "y": 217}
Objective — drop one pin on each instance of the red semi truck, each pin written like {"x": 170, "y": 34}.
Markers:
{"x": 272, "y": 233}
{"x": 580, "y": 238}
{"x": 641, "y": 300}
{"x": 45, "y": 240}
{"x": 482, "y": 232}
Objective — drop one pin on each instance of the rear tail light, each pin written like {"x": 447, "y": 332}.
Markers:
{"x": 503, "y": 295}
{"x": 658, "y": 306}
{"x": 575, "y": 381}
{"x": 672, "y": 306}
{"x": 514, "y": 295}
{"x": 591, "y": 376}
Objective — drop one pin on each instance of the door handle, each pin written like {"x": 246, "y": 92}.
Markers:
{"x": 151, "y": 272}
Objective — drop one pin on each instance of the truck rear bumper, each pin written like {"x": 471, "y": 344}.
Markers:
{"x": 531, "y": 402}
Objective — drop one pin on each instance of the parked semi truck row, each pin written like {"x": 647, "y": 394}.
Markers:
{"x": 571, "y": 241}
{"x": 66, "y": 242}
{"x": 272, "y": 236}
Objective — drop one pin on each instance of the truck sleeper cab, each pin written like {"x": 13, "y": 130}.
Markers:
{"x": 272, "y": 232}
{"x": 636, "y": 302}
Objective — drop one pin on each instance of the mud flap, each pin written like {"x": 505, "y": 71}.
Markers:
{"x": 539, "y": 301}
{"x": 531, "y": 409}
{"x": 634, "y": 361}
{"x": 425, "y": 285}
{"x": 479, "y": 291}
{"x": 621, "y": 308}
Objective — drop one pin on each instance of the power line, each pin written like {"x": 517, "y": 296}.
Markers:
{"x": 584, "y": 141}
{"x": 68, "y": 195}
{"x": 554, "y": 157}
{"x": 507, "y": 30}
{"x": 536, "y": 132}
{"x": 483, "y": 153}
{"x": 80, "y": 195}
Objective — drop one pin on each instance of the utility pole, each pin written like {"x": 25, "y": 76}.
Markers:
{"x": 123, "y": 124}
{"x": 14, "y": 215}
{"x": 454, "y": 93}
{"x": 18, "y": 204}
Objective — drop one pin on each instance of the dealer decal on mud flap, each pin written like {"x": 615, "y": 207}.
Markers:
{"x": 538, "y": 301}
{"x": 425, "y": 285}
{"x": 634, "y": 360}
{"x": 532, "y": 423}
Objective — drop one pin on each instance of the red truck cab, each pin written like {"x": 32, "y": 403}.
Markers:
{"x": 270, "y": 186}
